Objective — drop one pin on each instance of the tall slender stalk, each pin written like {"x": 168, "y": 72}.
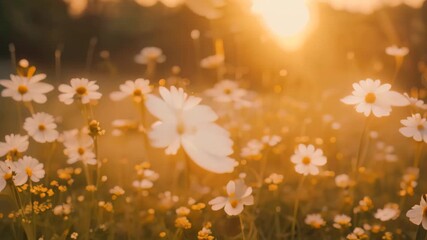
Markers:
{"x": 242, "y": 227}
{"x": 296, "y": 206}
{"x": 418, "y": 154}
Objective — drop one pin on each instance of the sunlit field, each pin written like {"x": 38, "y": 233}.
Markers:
{"x": 213, "y": 119}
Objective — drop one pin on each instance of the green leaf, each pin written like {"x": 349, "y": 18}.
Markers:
{"x": 421, "y": 233}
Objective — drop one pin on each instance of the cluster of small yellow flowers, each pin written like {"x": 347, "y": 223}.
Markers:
{"x": 66, "y": 174}
{"x": 182, "y": 222}
{"x": 365, "y": 205}
{"x": 342, "y": 221}
{"x": 116, "y": 192}
{"x": 198, "y": 206}
{"x": 108, "y": 206}
{"x": 22, "y": 188}
{"x": 387, "y": 236}
{"x": 273, "y": 181}
{"x": 91, "y": 188}
{"x": 409, "y": 182}
{"x": 315, "y": 221}
{"x": 205, "y": 233}
{"x": 42, "y": 191}
{"x": 357, "y": 234}
{"x": 74, "y": 235}
{"x": 374, "y": 228}
{"x": 63, "y": 210}
{"x": 182, "y": 211}
{"x": 37, "y": 207}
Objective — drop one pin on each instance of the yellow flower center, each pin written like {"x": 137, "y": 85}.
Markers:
{"x": 420, "y": 127}
{"x": 81, "y": 90}
{"x": 234, "y": 203}
{"x": 180, "y": 128}
{"x": 370, "y": 98}
{"x": 81, "y": 151}
{"x": 29, "y": 171}
{"x": 42, "y": 127}
{"x": 425, "y": 212}
{"x": 137, "y": 92}
{"x": 306, "y": 160}
{"x": 22, "y": 89}
{"x": 7, "y": 176}
{"x": 227, "y": 91}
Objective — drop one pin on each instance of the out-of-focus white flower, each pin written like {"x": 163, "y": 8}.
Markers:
{"x": 76, "y": 7}
{"x": 252, "y": 150}
{"x": 79, "y": 147}
{"x": 184, "y": 122}
{"x": 372, "y": 96}
{"x": 6, "y": 173}
{"x": 385, "y": 152}
{"x": 238, "y": 195}
{"x": 315, "y": 220}
{"x": 150, "y": 55}
{"x": 390, "y": 211}
{"x": 122, "y": 125}
{"x": 415, "y": 127}
{"x": 418, "y": 213}
{"x": 271, "y": 140}
{"x": 41, "y": 127}
{"x": 307, "y": 159}
{"x": 228, "y": 91}
{"x": 146, "y": 3}
{"x": 14, "y": 145}
{"x": 137, "y": 89}
{"x": 143, "y": 184}
{"x": 212, "y": 62}
{"x": 28, "y": 167}
{"x": 396, "y": 51}
{"x": 343, "y": 181}
{"x": 80, "y": 89}
{"x": 117, "y": 190}
{"x": 356, "y": 6}
{"x": 63, "y": 209}
{"x": 167, "y": 3}
{"x": 342, "y": 221}
{"x": 146, "y": 180}
{"x": 358, "y": 233}
{"x": 415, "y": 102}
{"x": 26, "y": 89}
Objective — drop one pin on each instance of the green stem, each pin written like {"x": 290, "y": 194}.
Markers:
{"x": 242, "y": 227}
{"x": 296, "y": 205}
{"x": 418, "y": 154}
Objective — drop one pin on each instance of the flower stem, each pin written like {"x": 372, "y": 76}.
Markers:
{"x": 418, "y": 154}
{"x": 296, "y": 205}
{"x": 361, "y": 149}
{"x": 242, "y": 227}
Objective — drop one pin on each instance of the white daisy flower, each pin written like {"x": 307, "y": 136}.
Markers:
{"x": 137, "y": 89}
{"x": 150, "y": 55}
{"x": 238, "y": 195}
{"x": 6, "y": 173}
{"x": 315, "y": 220}
{"x": 396, "y": 51}
{"x": 80, "y": 89}
{"x": 26, "y": 89}
{"x": 390, "y": 211}
{"x": 41, "y": 127}
{"x": 28, "y": 167}
{"x": 183, "y": 122}
{"x": 372, "y": 96}
{"x": 79, "y": 147}
{"x": 342, "y": 221}
{"x": 252, "y": 150}
{"x": 228, "y": 91}
{"x": 271, "y": 140}
{"x": 343, "y": 181}
{"x": 415, "y": 127}
{"x": 415, "y": 102}
{"x": 14, "y": 145}
{"x": 418, "y": 213}
{"x": 143, "y": 184}
{"x": 307, "y": 159}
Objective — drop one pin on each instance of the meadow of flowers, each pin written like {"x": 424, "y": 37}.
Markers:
{"x": 160, "y": 158}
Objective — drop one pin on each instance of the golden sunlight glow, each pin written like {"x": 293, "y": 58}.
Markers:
{"x": 285, "y": 19}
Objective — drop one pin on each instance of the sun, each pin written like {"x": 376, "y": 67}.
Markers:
{"x": 287, "y": 20}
